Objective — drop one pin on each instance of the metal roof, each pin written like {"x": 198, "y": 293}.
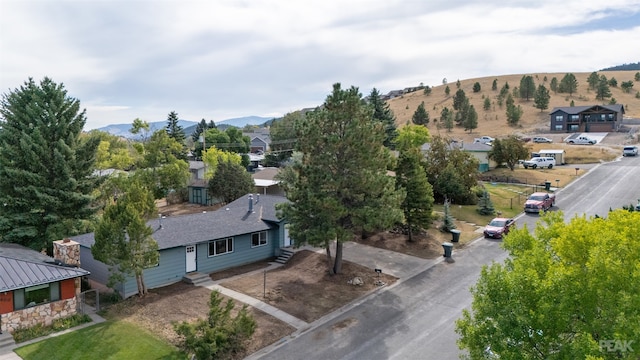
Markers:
{"x": 21, "y": 267}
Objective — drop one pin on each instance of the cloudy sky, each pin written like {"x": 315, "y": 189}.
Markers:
{"x": 221, "y": 59}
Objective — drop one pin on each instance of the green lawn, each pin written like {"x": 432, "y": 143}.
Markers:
{"x": 108, "y": 340}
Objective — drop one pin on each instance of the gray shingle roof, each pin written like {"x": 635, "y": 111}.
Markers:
{"x": 231, "y": 220}
{"x": 572, "y": 110}
{"x": 21, "y": 267}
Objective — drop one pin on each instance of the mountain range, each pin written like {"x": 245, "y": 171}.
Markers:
{"x": 187, "y": 125}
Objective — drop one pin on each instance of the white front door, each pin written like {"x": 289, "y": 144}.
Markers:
{"x": 287, "y": 239}
{"x": 191, "y": 258}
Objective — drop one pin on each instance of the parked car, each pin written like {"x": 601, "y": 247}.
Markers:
{"x": 630, "y": 151}
{"x": 484, "y": 140}
{"x": 539, "y": 202}
{"x": 581, "y": 140}
{"x": 541, "y": 139}
{"x": 539, "y": 162}
{"x": 497, "y": 228}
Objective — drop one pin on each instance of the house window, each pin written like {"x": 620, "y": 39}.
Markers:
{"x": 575, "y": 117}
{"x": 36, "y": 295}
{"x": 219, "y": 247}
{"x": 259, "y": 239}
{"x": 558, "y": 127}
{"x": 197, "y": 196}
{"x": 559, "y": 118}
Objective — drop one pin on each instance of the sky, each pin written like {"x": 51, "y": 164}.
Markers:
{"x": 222, "y": 59}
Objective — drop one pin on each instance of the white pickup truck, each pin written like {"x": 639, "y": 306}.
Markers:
{"x": 484, "y": 140}
{"x": 581, "y": 140}
{"x": 539, "y": 162}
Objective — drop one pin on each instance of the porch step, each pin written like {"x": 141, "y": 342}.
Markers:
{"x": 196, "y": 278}
{"x": 6, "y": 343}
{"x": 284, "y": 256}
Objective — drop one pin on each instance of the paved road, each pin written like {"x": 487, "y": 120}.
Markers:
{"x": 411, "y": 320}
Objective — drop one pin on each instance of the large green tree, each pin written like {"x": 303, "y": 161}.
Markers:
{"x": 283, "y": 138}
{"x": 122, "y": 238}
{"x": 508, "y": 151}
{"x": 174, "y": 129}
{"x": 471, "y": 120}
{"x": 420, "y": 116}
{"x": 230, "y": 182}
{"x": 459, "y": 99}
{"x": 341, "y": 187}
{"x": 571, "y": 290}
{"x": 527, "y": 87}
{"x": 446, "y": 118}
{"x": 162, "y": 166}
{"x": 568, "y": 84}
{"x": 602, "y": 89}
{"x": 593, "y": 79}
{"x": 412, "y": 179}
{"x": 46, "y": 165}
{"x": 541, "y": 98}
{"x": 514, "y": 112}
{"x": 383, "y": 114}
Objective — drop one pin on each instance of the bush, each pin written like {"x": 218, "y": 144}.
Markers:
{"x": 25, "y": 334}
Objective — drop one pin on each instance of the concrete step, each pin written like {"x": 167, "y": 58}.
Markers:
{"x": 196, "y": 278}
{"x": 6, "y": 342}
{"x": 284, "y": 257}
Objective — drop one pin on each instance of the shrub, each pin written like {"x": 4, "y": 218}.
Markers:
{"x": 25, "y": 334}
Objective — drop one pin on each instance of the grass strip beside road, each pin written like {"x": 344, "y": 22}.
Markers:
{"x": 109, "y": 340}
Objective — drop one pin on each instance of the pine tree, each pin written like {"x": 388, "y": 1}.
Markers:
{"x": 593, "y": 80}
{"x": 383, "y": 114}
{"x": 514, "y": 113}
{"x": 342, "y": 187}
{"x": 476, "y": 87}
{"x": 553, "y": 85}
{"x": 458, "y": 99}
{"x": 568, "y": 84}
{"x": 46, "y": 165}
{"x": 485, "y": 205}
{"x": 411, "y": 178}
{"x": 447, "y": 90}
{"x": 174, "y": 129}
{"x": 420, "y": 116}
{"x": 486, "y": 104}
{"x": 446, "y": 117}
{"x": 471, "y": 120}
{"x": 527, "y": 87}
{"x": 448, "y": 223}
{"x": 494, "y": 85}
{"x": 541, "y": 98}
{"x": 602, "y": 90}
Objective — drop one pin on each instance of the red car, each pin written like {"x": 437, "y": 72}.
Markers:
{"x": 497, "y": 228}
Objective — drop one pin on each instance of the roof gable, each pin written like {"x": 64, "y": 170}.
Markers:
{"x": 573, "y": 110}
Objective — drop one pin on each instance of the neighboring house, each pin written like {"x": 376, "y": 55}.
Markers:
{"x": 266, "y": 184}
{"x": 37, "y": 289}
{"x": 260, "y": 140}
{"x": 197, "y": 187}
{"x": 244, "y": 231}
{"x": 477, "y": 149}
{"x": 593, "y": 118}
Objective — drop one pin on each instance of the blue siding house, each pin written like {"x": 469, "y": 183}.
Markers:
{"x": 245, "y": 231}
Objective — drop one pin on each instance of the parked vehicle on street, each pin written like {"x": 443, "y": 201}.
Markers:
{"x": 630, "y": 151}
{"x": 498, "y": 227}
{"x": 539, "y": 162}
{"x": 539, "y": 202}
{"x": 541, "y": 139}
{"x": 581, "y": 140}
{"x": 484, "y": 140}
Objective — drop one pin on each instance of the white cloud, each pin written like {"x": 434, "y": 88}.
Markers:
{"x": 232, "y": 58}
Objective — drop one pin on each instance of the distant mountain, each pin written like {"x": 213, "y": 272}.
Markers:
{"x": 187, "y": 125}
{"x": 632, "y": 66}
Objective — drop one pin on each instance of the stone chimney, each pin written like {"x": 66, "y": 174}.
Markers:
{"x": 67, "y": 251}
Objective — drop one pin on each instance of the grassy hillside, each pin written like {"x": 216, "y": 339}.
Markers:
{"x": 494, "y": 121}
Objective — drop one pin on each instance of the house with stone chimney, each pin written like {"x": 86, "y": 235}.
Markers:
{"x": 194, "y": 245}
{"x": 37, "y": 289}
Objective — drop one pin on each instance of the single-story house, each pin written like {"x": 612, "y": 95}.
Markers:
{"x": 591, "y": 118}
{"x": 477, "y": 149}
{"x": 37, "y": 289}
{"x": 244, "y": 231}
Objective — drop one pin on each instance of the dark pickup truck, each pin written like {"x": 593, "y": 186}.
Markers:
{"x": 539, "y": 201}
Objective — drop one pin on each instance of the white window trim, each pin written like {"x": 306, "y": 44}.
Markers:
{"x": 233, "y": 247}
{"x": 260, "y": 243}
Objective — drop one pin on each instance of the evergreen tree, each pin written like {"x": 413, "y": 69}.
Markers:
{"x": 486, "y": 105}
{"x": 458, "y": 84}
{"x": 514, "y": 113}
{"x": 46, "y": 165}
{"x": 448, "y": 222}
{"x": 553, "y": 85}
{"x": 613, "y": 82}
{"x": 626, "y": 86}
{"x": 593, "y": 80}
{"x": 412, "y": 179}
{"x": 485, "y": 205}
{"x": 341, "y": 187}
{"x": 427, "y": 90}
{"x": 420, "y": 116}
{"x": 568, "y": 84}
{"x": 476, "y": 87}
{"x": 176, "y": 132}
{"x": 471, "y": 120}
{"x": 458, "y": 99}
{"x": 541, "y": 98}
{"x": 527, "y": 87}
{"x": 602, "y": 90}
{"x": 447, "y": 91}
{"x": 219, "y": 336}
{"x": 383, "y": 114}
{"x": 201, "y": 128}
{"x": 446, "y": 117}
{"x": 494, "y": 85}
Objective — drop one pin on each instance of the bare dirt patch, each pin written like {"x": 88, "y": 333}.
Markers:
{"x": 303, "y": 287}
{"x": 162, "y": 307}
